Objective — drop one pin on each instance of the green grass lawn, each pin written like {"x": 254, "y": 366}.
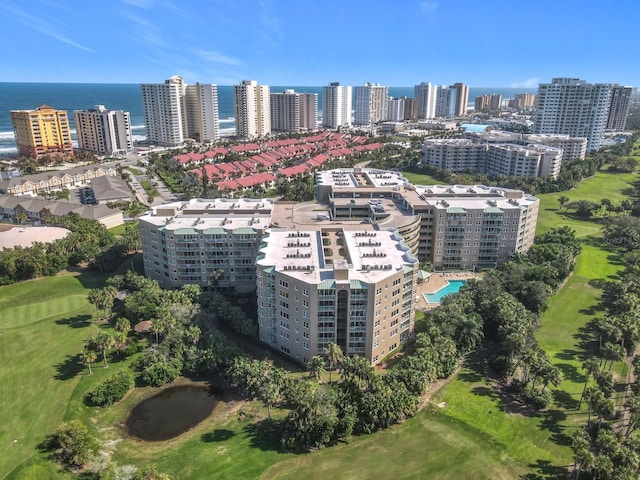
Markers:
{"x": 40, "y": 335}
{"x": 136, "y": 171}
{"x": 615, "y": 187}
{"x": 421, "y": 178}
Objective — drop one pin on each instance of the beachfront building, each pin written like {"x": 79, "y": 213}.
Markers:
{"x": 619, "y": 108}
{"x": 459, "y": 99}
{"x": 395, "y": 109}
{"x": 42, "y": 132}
{"x": 336, "y": 106}
{"x": 162, "y": 104}
{"x": 294, "y": 112}
{"x": 351, "y": 287}
{"x": 488, "y": 103}
{"x": 571, "y": 106}
{"x": 175, "y": 111}
{"x": 102, "y": 131}
{"x": 203, "y": 241}
{"x": 370, "y": 104}
{"x": 200, "y": 105}
{"x": 426, "y": 98}
{"x": 251, "y": 104}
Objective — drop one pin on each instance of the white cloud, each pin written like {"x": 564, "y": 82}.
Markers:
{"x": 528, "y": 83}
{"x": 217, "y": 57}
{"x": 428, "y": 7}
{"x": 271, "y": 23}
{"x": 40, "y": 25}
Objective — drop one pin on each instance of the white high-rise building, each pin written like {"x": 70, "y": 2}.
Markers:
{"x": 201, "y": 112}
{"x": 573, "y": 107}
{"x": 102, "y": 131}
{"x": 395, "y": 109}
{"x": 336, "y": 105}
{"x": 619, "y": 107}
{"x": 426, "y": 97}
{"x": 163, "y": 111}
{"x": 370, "y": 104}
{"x": 252, "y": 109}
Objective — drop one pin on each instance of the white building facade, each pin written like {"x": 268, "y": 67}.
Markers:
{"x": 370, "y": 104}
{"x": 102, "y": 131}
{"x": 573, "y": 107}
{"x": 163, "y": 111}
{"x": 336, "y": 106}
{"x": 426, "y": 98}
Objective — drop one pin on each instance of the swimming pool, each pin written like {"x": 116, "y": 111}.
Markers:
{"x": 453, "y": 286}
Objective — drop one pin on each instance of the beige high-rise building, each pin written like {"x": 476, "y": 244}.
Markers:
{"x": 252, "y": 109}
{"x": 351, "y": 287}
{"x": 42, "y": 131}
{"x": 460, "y": 99}
{"x": 201, "y": 112}
{"x": 294, "y": 112}
{"x": 102, "y": 131}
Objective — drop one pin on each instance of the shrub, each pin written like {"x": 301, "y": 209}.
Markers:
{"x": 112, "y": 389}
{"x": 73, "y": 443}
{"x": 161, "y": 372}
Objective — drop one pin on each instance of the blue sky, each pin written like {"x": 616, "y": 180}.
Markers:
{"x": 489, "y": 43}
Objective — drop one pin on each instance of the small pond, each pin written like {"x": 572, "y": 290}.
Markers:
{"x": 170, "y": 413}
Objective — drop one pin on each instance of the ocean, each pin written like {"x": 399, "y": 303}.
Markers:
{"x": 127, "y": 97}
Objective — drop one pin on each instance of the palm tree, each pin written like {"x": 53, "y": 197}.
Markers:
{"x": 334, "y": 356}
{"x": 88, "y": 357}
{"x": 562, "y": 200}
{"x": 103, "y": 341}
{"x": 591, "y": 367}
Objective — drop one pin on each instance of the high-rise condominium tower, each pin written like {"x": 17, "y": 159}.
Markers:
{"x": 201, "y": 112}
{"x": 42, "y": 131}
{"x": 443, "y": 102}
{"x": 102, "y": 131}
{"x": 336, "y": 105}
{"x": 252, "y": 109}
{"x": 370, "y": 104}
{"x": 426, "y": 97}
{"x": 163, "y": 111}
{"x": 460, "y": 98}
{"x": 573, "y": 107}
{"x": 174, "y": 111}
{"x": 619, "y": 107}
{"x": 294, "y": 112}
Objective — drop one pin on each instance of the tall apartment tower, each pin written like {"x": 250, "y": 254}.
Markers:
{"x": 619, "y": 107}
{"x": 252, "y": 109}
{"x": 426, "y": 98}
{"x": 102, "y": 131}
{"x": 370, "y": 103}
{"x": 200, "y": 110}
{"x": 163, "y": 111}
{"x": 573, "y": 107}
{"x": 309, "y": 111}
{"x": 525, "y": 100}
{"x": 443, "y": 102}
{"x": 285, "y": 111}
{"x": 336, "y": 105}
{"x": 410, "y": 108}
{"x": 42, "y": 131}
{"x": 460, "y": 99}
{"x": 354, "y": 288}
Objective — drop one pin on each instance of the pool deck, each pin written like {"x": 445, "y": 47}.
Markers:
{"x": 434, "y": 283}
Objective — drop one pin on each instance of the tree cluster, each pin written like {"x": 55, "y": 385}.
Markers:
{"x": 112, "y": 389}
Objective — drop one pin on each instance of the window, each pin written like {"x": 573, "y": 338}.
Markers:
{"x": 305, "y": 292}
{"x": 305, "y": 303}
{"x": 284, "y": 284}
